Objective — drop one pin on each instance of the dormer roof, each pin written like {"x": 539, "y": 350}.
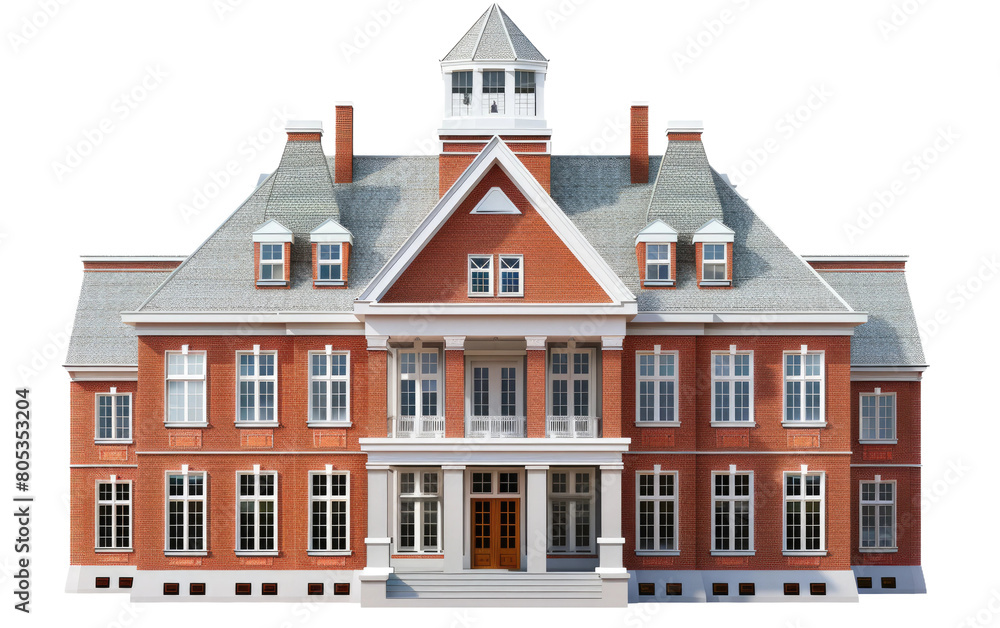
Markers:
{"x": 331, "y": 231}
{"x": 273, "y": 231}
{"x": 494, "y": 37}
{"x": 657, "y": 231}
{"x": 713, "y": 231}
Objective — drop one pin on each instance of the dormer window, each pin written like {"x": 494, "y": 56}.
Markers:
{"x": 272, "y": 244}
{"x": 656, "y": 252}
{"x": 461, "y": 93}
{"x": 480, "y": 275}
{"x": 331, "y": 249}
{"x": 713, "y": 266}
{"x": 657, "y": 262}
{"x": 493, "y": 92}
{"x": 524, "y": 93}
{"x": 713, "y": 244}
{"x": 272, "y": 262}
{"x": 329, "y": 262}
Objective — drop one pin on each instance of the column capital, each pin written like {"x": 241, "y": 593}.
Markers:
{"x": 453, "y": 467}
{"x": 535, "y": 343}
{"x": 614, "y": 466}
{"x": 536, "y": 467}
{"x": 454, "y": 343}
{"x": 612, "y": 343}
{"x": 378, "y": 343}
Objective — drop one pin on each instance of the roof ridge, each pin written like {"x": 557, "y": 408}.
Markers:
{"x": 479, "y": 38}
{"x": 506, "y": 29}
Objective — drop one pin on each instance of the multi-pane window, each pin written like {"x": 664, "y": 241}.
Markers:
{"x": 804, "y": 386}
{"x": 330, "y": 264}
{"x": 878, "y": 416}
{"x": 257, "y": 511}
{"x": 114, "y": 416}
{"x": 328, "y": 522}
{"x": 329, "y": 378}
{"x": 732, "y": 512}
{"x": 656, "y": 516}
{"x": 419, "y": 383}
{"x": 419, "y": 511}
{"x": 114, "y": 515}
{"x": 272, "y": 262}
{"x": 185, "y": 512}
{"x": 481, "y": 275}
{"x": 572, "y": 377}
{"x": 493, "y": 92}
{"x": 186, "y": 387}
{"x": 732, "y": 387}
{"x": 878, "y": 520}
{"x": 804, "y": 512}
{"x": 713, "y": 263}
{"x": 461, "y": 93}
{"x": 257, "y": 387}
{"x": 657, "y": 262}
{"x": 524, "y": 93}
{"x": 571, "y": 520}
{"x": 656, "y": 386}
{"x": 511, "y": 275}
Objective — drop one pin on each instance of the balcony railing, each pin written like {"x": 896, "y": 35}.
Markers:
{"x": 416, "y": 427}
{"x": 572, "y": 426}
{"x": 495, "y": 427}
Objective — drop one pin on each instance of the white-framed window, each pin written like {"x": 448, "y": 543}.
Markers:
{"x": 878, "y": 416}
{"x": 257, "y": 510}
{"x": 656, "y": 511}
{"x": 713, "y": 262}
{"x": 257, "y": 387}
{"x": 114, "y": 416}
{"x": 732, "y": 387}
{"x": 656, "y": 387}
{"x": 114, "y": 515}
{"x": 493, "y": 92}
{"x": 732, "y": 511}
{"x": 524, "y": 93}
{"x": 571, "y": 374}
{"x": 186, "y": 387}
{"x": 329, "y": 267}
{"x": 185, "y": 511}
{"x": 805, "y": 512}
{"x": 878, "y": 515}
{"x": 571, "y": 511}
{"x": 480, "y": 275}
{"x": 272, "y": 262}
{"x": 504, "y": 482}
{"x": 511, "y": 276}
{"x": 329, "y": 515}
{"x": 658, "y": 263}
{"x": 420, "y": 374}
{"x": 419, "y": 511}
{"x": 461, "y": 93}
{"x": 329, "y": 386}
{"x": 804, "y": 387}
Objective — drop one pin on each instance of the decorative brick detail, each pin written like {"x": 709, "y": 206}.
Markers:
{"x": 803, "y": 562}
{"x": 532, "y": 151}
{"x": 330, "y": 439}
{"x": 733, "y": 562}
{"x": 256, "y": 561}
{"x": 684, "y": 137}
{"x": 876, "y": 453}
{"x": 732, "y": 437}
{"x": 184, "y": 439}
{"x": 330, "y": 561}
{"x": 256, "y": 438}
{"x": 639, "y": 144}
{"x": 113, "y": 454}
{"x": 803, "y": 439}
{"x": 344, "y": 145}
{"x": 112, "y": 559}
{"x": 184, "y": 562}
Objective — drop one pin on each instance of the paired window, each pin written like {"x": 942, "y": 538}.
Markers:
{"x": 804, "y": 512}
{"x": 657, "y": 387}
{"x": 524, "y": 93}
{"x": 732, "y": 387}
{"x": 656, "y": 517}
{"x": 511, "y": 277}
{"x": 330, "y": 263}
{"x": 257, "y": 387}
{"x": 186, "y": 387}
{"x": 419, "y": 511}
{"x": 804, "y": 385}
{"x": 186, "y": 512}
{"x": 572, "y": 376}
{"x": 732, "y": 511}
{"x": 114, "y": 515}
{"x": 114, "y": 416}
{"x": 480, "y": 275}
{"x": 329, "y": 375}
{"x": 878, "y": 416}
{"x": 713, "y": 262}
{"x": 461, "y": 93}
{"x": 328, "y": 523}
{"x": 878, "y": 515}
{"x": 257, "y": 511}
{"x": 571, "y": 501}
{"x": 493, "y": 92}
{"x": 511, "y": 284}
{"x": 657, "y": 263}
{"x": 419, "y": 383}
{"x": 272, "y": 262}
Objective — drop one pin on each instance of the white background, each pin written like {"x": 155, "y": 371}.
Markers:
{"x": 895, "y": 76}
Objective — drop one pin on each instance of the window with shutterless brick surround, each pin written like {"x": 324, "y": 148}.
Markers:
{"x": 713, "y": 244}
{"x": 114, "y": 417}
{"x": 805, "y": 386}
{"x": 272, "y": 250}
{"x": 114, "y": 515}
{"x": 878, "y": 516}
{"x": 878, "y": 417}
{"x": 185, "y": 384}
{"x": 257, "y": 511}
{"x": 805, "y": 513}
{"x": 186, "y": 531}
{"x": 656, "y": 252}
{"x": 331, "y": 246}
{"x": 656, "y": 512}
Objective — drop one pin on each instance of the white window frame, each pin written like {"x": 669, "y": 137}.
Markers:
{"x": 419, "y": 377}
{"x": 573, "y": 498}
{"x": 878, "y": 503}
{"x": 187, "y": 378}
{"x": 114, "y": 504}
{"x": 272, "y": 263}
{"x": 802, "y": 499}
{"x": 186, "y": 498}
{"x": 329, "y": 379}
{"x": 731, "y": 498}
{"x": 487, "y": 100}
{"x": 327, "y": 501}
{"x": 114, "y": 438}
{"x": 571, "y": 378}
{"x": 705, "y": 262}
{"x": 657, "y": 281}
{"x": 731, "y": 378}
{"x": 656, "y": 377}
{"x": 331, "y": 262}
{"x": 256, "y": 500}
{"x": 519, "y": 271}
{"x": 419, "y": 498}
{"x": 802, "y": 379}
{"x": 256, "y": 379}
{"x": 878, "y": 396}
{"x": 525, "y": 106}
{"x": 659, "y": 500}
{"x": 489, "y": 271}
{"x": 462, "y": 108}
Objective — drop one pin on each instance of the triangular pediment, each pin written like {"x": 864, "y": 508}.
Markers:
{"x": 495, "y": 202}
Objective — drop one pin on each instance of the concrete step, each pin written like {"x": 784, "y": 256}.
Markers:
{"x": 493, "y": 585}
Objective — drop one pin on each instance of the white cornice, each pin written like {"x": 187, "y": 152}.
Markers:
{"x": 132, "y": 259}
{"x": 758, "y": 318}
{"x": 856, "y": 258}
{"x": 100, "y": 373}
{"x": 496, "y": 451}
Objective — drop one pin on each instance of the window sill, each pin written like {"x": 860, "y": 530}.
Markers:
{"x": 113, "y": 442}
{"x": 340, "y": 424}
{"x": 885, "y": 441}
{"x": 407, "y": 554}
{"x": 267, "y": 282}
{"x": 657, "y": 423}
{"x": 510, "y": 295}
{"x": 185, "y": 553}
{"x": 733, "y": 552}
{"x": 480, "y": 295}
{"x": 658, "y": 284}
{"x": 325, "y": 282}
{"x": 714, "y": 284}
{"x": 878, "y": 550}
{"x": 330, "y": 553}
{"x": 182, "y": 424}
{"x": 657, "y": 552}
{"x": 253, "y": 424}
{"x": 248, "y": 553}
{"x": 804, "y": 553}
{"x": 733, "y": 424}
{"x": 119, "y": 550}
{"x": 803, "y": 424}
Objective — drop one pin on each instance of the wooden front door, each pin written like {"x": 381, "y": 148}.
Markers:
{"x": 496, "y": 538}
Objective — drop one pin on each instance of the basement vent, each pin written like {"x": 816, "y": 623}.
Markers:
{"x": 864, "y": 582}
{"x": 674, "y": 588}
{"x": 315, "y": 588}
{"x": 196, "y": 588}
{"x": 269, "y": 588}
{"x": 748, "y": 588}
{"x": 647, "y": 588}
{"x": 791, "y": 588}
{"x": 243, "y": 588}
{"x": 720, "y": 588}
{"x": 102, "y": 583}
{"x": 889, "y": 582}
{"x": 817, "y": 588}
{"x": 342, "y": 588}
{"x": 171, "y": 588}
{"x": 125, "y": 583}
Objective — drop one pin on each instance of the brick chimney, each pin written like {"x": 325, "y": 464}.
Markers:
{"x": 639, "y": 151}
{"x": 304, "y": 130}
{"x": 685, "y": 130}
{"x": 344, "y": 144}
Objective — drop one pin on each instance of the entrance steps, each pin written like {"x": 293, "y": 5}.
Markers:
{"x": 483, "y": 587}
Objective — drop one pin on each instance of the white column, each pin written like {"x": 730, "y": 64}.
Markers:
{"x": 379, "y": 539}
{"x": 477, "y": 93}
{"x": 611, "y": 542}
{"x": 453, "y": 524}
{"x": 535, "y": 504}
{"x": 540, "y": 94}
{"x": 508, "y": 92}
{"x": 447, "y": 94}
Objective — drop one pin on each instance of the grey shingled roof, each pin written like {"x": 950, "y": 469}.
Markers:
{"x": 99, "y": 335}
{"x": 494, "y": 37}
{"x": 890, "y": 337}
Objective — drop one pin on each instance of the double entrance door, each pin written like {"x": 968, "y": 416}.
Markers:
{"x": 496, "y": 535}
